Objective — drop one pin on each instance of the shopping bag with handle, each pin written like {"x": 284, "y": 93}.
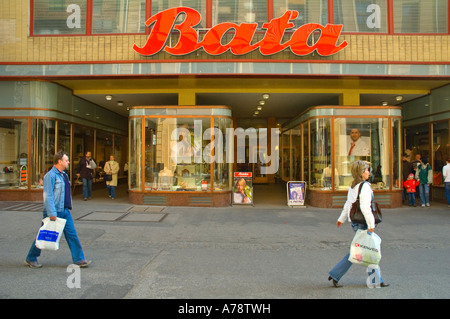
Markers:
{"x": 50, "y": 233}
{"x": 365, "y": 249}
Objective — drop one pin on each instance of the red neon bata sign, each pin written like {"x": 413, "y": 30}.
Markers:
{"x": 164, "y": 22}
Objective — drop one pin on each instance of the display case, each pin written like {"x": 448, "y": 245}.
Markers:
{"x": 178, "y": 155}
{"x": 333, "y": 138}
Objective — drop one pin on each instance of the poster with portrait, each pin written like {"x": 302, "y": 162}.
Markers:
{"x": 357, "y": 140}
{"x": 242, "y": 188}
{"x": 296, "y": 193}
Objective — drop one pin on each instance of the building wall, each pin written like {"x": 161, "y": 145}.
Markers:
{"x": 17, "y": 46}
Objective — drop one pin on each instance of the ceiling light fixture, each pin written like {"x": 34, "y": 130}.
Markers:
{"x": 120, "y": 103}
{"x": 108, "y": 97}
{"x": 265, "y": 96}
{"x": 399, "y": 98}
{"x": 384, "y": 103}
{"x": 262, "y": 102}
{"x": 259, "y": 108}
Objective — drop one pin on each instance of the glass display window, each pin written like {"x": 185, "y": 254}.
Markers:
{"x": 362, "y": 139}
{"x": 42, "y": 149}
{"x": 199, "y": 5}
{"x": 222, "y": 170}
{"x": 15, "y": 169}
{"x": 306, "y": 160}
{"x": 310, "y": 11}
{"x": 180, "y": 152}
{"x": 117, "y": 16}
{"x": 425, "y": 16}
{"x": 135, "y": 154}
{"x": 362, "y": 15}
{"x": 397, "y": 152}
{"x": 240, "y": 11}
{"x": 65, "y": 17}
{"x": 320, "y": 153}
{"x": 441, "y": 150}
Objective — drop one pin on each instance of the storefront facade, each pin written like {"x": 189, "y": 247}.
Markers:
{"x": 100, "y": 75}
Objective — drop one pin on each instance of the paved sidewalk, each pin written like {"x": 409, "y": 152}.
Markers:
{"x": 266, "y": 251}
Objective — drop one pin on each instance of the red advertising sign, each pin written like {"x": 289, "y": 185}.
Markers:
{"x": 165, "y": 21}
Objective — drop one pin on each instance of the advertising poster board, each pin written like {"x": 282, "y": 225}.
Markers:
{"x": 296, "y": 193}
{"x": 242, "y": 188}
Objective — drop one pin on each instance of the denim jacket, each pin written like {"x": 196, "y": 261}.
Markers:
{"x": 54, "y": 192}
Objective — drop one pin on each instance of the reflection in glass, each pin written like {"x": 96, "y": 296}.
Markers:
{"x": 441, "y": 150}
{"x": 117, "y": 16}
{"x": 135, "y": 156}
{"x": 14, "y": 171}
{"x": 320, "y": 153}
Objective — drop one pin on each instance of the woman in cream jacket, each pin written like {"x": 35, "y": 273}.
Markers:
{"x": 112, "y": 168}
{"x": 360, "y": 173}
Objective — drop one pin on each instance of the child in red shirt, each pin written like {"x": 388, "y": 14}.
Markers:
{"x": 410, "y": 185}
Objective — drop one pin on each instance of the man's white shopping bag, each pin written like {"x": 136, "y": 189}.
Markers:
{"x": 50, "y": 233}
{"x": 365, "y": 249}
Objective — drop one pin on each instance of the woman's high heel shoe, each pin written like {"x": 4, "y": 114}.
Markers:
{"x": 335, "y": 283}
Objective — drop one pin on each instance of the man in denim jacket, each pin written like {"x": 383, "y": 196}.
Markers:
{"x": 57, "y": 203}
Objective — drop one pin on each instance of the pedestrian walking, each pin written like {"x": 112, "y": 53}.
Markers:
{"x": 111, "y": 168}
{"x": 85, "y": 169}
{"x": 58, "y": 203}
{"x": 446, "y": 174}
{"x": 360, "y": 172}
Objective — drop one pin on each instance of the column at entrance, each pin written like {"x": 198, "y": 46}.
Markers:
{"x": 350, "y": 98}
{"x": 186, "y": 98}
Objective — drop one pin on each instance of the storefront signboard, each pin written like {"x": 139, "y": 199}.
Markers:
{"x": 164, "y": 22}
{"x": 242, "y": 188}
{"x": 296, "y": 193}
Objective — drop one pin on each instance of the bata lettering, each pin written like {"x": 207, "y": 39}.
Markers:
{"x": 164, "y": 23}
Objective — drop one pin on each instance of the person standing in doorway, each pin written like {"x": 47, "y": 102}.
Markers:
{"x": 446, "y": 174}
{"x": 58, "y": 203}
{"x": 360, "y": 172}
{"x": 112, "y": 168}
{"x": 85, "y": 169}
{"x": 424, "y": 174}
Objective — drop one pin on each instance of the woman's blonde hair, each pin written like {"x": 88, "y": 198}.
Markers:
{"x": 358, "y": 168}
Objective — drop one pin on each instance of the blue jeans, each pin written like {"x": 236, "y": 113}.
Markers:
{"x": 70, "y": 234}
{"x": 412, "y": 199}
{"x": 424, "y": 193}
{"x": 344, "y": 265}
{"x": 87, "y": 187}
{"x": 111, "y": 191}
{"x": 447, "y": 192}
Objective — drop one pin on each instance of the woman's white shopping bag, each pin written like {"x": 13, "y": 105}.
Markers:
{"x": 365, "y": 249}
{"x": 50, "y": 233}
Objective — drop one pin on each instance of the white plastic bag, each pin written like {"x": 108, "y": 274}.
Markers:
{"x": 50, "y": 233}
{"x": 365, "y": 249}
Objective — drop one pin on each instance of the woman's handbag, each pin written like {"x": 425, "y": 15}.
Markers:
{"x": 108, "y": 177}
{"x": 356, "y": 216}
{"x": 365, "y": 249}
{"x": 50, "y": 233}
